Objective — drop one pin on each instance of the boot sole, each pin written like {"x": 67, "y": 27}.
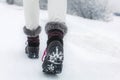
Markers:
{"x": 53, "y": 63}
{"x": 31, "y": 55}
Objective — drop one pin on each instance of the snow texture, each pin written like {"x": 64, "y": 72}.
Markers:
{"x": 92, "y": 48}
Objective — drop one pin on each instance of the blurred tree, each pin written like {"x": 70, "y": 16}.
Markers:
{"x": 10, "y": 1}
{"x": 92, "y": 9}
{"x": 18, "y": 2}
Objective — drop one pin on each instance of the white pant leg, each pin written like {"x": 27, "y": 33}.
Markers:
{"x": 57, "y": 10}
{"x": 31, "y": 11}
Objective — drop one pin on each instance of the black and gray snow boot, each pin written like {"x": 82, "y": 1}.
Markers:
{"x": 32, "y": 48}
{"x": 53, "y": 61}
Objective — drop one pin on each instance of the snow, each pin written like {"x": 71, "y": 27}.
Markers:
{"x": 92, "y": 48}
{"x": 115, "y": 5}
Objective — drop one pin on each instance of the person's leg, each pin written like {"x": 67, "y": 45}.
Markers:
{"x": 55, "y": 29}
{"x": 32, "y": 28}
{"x": 57, "y": 10}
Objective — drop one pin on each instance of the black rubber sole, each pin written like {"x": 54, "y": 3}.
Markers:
{"x": 52, "y": 68}
{"x": 32, "y": 53}
{"x": 53, "y": 63}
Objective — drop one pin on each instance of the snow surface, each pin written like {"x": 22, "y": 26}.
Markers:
{"x": 92, "y": 48}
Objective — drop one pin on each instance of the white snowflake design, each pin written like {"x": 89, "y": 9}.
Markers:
{"x": 55, "y": 56}
{"x": 51, "y": 67}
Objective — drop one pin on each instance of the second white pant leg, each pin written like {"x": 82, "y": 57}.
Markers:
{"x": 57, "y": 10}
{"x": 31, "y": 11}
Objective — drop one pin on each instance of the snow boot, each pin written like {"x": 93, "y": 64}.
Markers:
{"x": 53, "y": 61}
{"x": 32, "y": 48}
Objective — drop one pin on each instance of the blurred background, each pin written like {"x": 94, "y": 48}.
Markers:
{"x": 92, "y": 9}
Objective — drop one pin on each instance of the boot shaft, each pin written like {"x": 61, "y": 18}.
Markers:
{"x": 55, "y": 35}
{"x": 33, "y": 41}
